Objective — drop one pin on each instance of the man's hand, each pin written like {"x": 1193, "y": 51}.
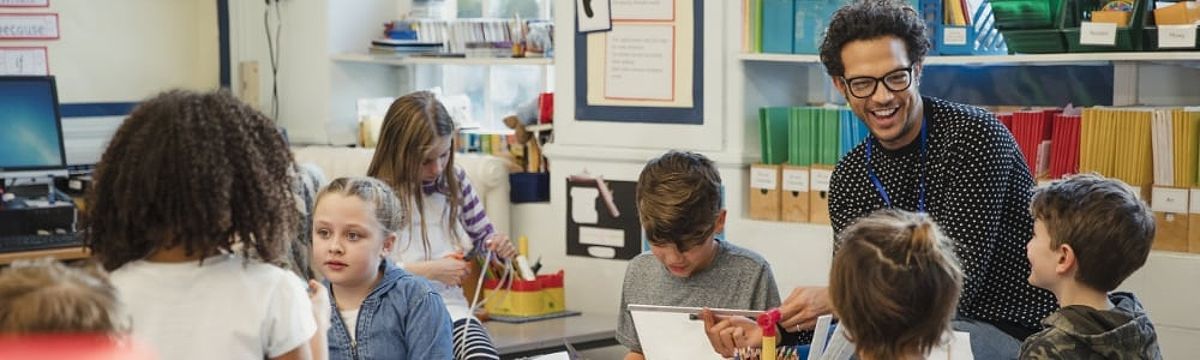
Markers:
{"x": 801, "y": 309}
{"x": 726, "y": 333}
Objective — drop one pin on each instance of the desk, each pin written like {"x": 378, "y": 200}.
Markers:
{"x": 585, "y": 331}
{"x": 70, "y": 253}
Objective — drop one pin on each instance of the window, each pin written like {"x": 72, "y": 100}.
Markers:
{"x": 526, "y": 9}
{"x": 505, "y": 87}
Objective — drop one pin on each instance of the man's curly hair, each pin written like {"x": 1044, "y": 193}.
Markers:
{"x": 198, "y": 170}
{"x": 870, "y": 19}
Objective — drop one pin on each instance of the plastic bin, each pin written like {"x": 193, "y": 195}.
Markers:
{"x": 978, "y": 38}
{"x": 1129, "y": 38}
{"x": 1151, "y": 30}
{"x": 1020, "y": 38}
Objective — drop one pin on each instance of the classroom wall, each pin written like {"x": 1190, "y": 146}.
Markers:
{"x": 317, "y": 96}
{"x": 125, "y": 51}
{"x": 799, "y": 254}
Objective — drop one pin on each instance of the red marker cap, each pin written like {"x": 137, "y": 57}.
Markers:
{"x": 767, "y": 321}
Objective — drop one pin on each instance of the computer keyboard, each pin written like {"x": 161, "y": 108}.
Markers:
{"x": 15, "y": 243}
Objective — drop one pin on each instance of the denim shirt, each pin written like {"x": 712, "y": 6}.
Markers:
{"x": 402, "y": 318}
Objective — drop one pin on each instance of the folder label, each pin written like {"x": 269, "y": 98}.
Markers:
{"x": 954, "y": 35}
{"x": 820, "y": 179}
{"x": 1177, "y": 36}
{"x": 1169, "y": 200}
{"x": 1092, "y": 33}
{"x": 1194, "y": 206}
{"x": 763, "y": 178}
{"x": 795, "y": 180}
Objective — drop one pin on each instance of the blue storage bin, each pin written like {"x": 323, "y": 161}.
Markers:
{"x": 978, "y": 38}
{"x": 529, "y": 187}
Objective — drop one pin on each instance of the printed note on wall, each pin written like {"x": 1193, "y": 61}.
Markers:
{"x": 24, "y": 61}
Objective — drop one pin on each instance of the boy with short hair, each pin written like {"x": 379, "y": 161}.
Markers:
{"x": 679, "y": 205}
{"x": 1090, "y": 234}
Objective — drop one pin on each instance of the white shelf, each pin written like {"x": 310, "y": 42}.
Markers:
{"x": 415, "y": 60}
{"x": 1189, "y": 56}
{"x": 539, "y": 127}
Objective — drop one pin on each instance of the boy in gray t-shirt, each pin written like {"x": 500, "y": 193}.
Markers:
{"x": 679, "y": 205}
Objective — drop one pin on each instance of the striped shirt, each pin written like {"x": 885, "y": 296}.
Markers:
{"x": 471, "y": 213}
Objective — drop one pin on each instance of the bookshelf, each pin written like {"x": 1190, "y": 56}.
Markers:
{"x": 394, "y": 60}
{"x": 1020, "y": 59}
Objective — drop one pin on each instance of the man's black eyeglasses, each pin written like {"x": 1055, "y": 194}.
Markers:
{"x": 864, "y": 86}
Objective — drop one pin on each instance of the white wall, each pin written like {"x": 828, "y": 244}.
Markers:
{"x": 124, "y": 51}
{"x": 317, "y": 96}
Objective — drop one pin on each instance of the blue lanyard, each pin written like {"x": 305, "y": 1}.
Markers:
{"x": 887, "y": 201}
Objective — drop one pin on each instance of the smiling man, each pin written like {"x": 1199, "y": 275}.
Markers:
{"x": 953, "y": 161}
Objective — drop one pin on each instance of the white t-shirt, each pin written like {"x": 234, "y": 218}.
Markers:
{"x": 350, "y": 317}
{"x": 226, "y": 308}
{"x": 410, "y": 249}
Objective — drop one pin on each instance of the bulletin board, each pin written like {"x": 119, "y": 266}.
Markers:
{"x": 608, "y": 90}
{"x": 592, "y": 231}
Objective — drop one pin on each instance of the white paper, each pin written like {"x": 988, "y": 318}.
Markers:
{"x": 23, "y": 61}
{"x": 672, "y": 335}
{"x": 25, "y": 3}
{"x": 643, "y": 9}
{"x": 795, "y": 180}
{"x": 1169, "y": 200}
{"x": 593, "y": 15}
{"x": 959, "y": 348}
{"x": 1104, "y": 34}
{"x": 820, "y": 179}
{"x": 1176, "y": 36}
{"x": 589, "y": 235}
{"x": 583, "y": 205}
{"x": 640, "y": 63}
{"x": 1194, "y": 206}
{"x": 954, "y": 36}
{"x": 820, "y": 337}
{"x": 763, "y": 178}
{"x": 39, "y": 26}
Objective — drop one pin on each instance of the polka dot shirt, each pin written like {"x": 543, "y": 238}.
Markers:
{"x": 977, "y": 191}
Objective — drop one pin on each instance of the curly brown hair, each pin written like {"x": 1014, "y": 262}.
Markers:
{"x": 870, "y": 19}
{"x": 201, "y": 171}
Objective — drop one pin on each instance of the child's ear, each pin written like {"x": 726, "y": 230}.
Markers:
{"x": 389, "y": 243}
{"x": 1066, "y": 260}
{"x": 719, "y": 226}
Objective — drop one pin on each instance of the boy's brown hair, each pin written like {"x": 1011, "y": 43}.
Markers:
{"x": 1107, "y": 227}
{"x": 201, "y": 171}
{"x": 45, "y": 296}
{"x": 679, "y": 199}
{"x": 895, "y": 284}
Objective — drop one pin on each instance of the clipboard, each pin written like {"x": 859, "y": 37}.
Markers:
{"x": 672, "y": 332}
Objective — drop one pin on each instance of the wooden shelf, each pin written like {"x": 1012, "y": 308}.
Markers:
{"x": 70, "y": 253}
{"x": 1066, "y": 58}
{"x": 394, "y": 60}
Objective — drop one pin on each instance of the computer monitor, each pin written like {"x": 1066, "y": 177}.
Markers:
{"x": 31, "y": 144}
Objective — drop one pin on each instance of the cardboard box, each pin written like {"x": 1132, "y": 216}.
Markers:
{"x": 795, "y": 194}
{"x": 819, "y": 195}
{"x": 1171, "y": 218}
{"x": 764, "y": 191}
